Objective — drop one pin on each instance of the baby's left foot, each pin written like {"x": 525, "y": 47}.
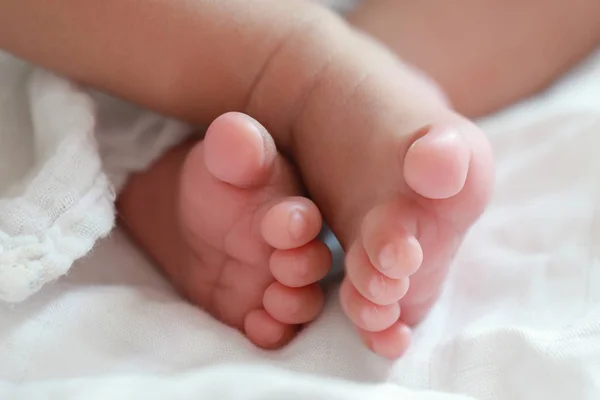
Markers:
{"x": 245, "y": 248}
{"x": 400, "y": 178}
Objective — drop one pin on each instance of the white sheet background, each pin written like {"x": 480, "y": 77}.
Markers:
{"x": 520, "y": 318}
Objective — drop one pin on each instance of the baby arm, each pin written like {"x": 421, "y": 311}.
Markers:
{"x": 485, "y": 54}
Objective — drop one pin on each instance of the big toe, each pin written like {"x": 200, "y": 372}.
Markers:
{"x": 239, "y": 150}
{"x": 436, "y": 165}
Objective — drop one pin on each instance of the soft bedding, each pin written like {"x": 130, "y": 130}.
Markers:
{"x": 519, "y": 318}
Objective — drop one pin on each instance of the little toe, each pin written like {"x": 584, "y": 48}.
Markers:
{"x": 390, "y": 248}
{"x": 365, "y": 314}
{"x": 369, "y": 282}
{"x": 293, "y": 305}
{"x": 239, "y": 151}
{"x": 391, "y": 343}
{"x": 266, "y": 332}
{"x": 436, "y": 165}
{"x": 302, "y": 266}
{"x": 291, "y": 223}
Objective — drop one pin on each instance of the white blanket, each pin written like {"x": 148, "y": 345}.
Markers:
{"x": 520, "y": 318}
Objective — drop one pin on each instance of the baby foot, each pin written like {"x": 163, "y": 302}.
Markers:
{"x": 397, "y": 262}
{"x": 400, "y": 178}
{"x": 253, "y": 258}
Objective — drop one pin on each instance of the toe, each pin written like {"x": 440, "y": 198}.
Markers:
{"x": 436, "y": 165}
{"x": 390, "y": 343}
{"x": 388, "y": 244}
{"x": 291, "y": 223}
{"x": 365, "y": 314}
{"x": 266, "y": 332}
{"x": 293, "y": 305}
{"x": 302, "y": 266}
{"x": 239, "y": 151}
{"x": 370, "y": 283}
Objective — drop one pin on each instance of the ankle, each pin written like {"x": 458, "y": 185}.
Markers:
{"x": 293, "y": 72}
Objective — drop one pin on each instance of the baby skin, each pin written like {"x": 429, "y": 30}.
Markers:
{"x": 399, "y": 176}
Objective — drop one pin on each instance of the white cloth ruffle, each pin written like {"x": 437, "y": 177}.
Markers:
{"x": 79, "y": 147}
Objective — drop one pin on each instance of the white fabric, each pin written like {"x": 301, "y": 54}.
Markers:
{"x": 63, "y": 202}
{"x": 228, "y": 382}
{"x": 57, "y": 199}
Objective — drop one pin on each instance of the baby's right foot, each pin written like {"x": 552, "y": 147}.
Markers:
{"x": 243, "y": 243}
{"x": 255, "y": 260}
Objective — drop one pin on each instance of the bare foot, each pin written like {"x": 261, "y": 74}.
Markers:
{"x": 431, "y": 185}
{"x": 397, "y": 262}
{"x": 245, "y": 248}
{"x": 397, "y": 174}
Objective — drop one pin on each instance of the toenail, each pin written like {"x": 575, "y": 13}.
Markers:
{"x": 297, "y": 224}
{"x": 388, "y": 257}
{"x": 256, "y": 127}
{"x": 377, "y": 286}
{"x": 370, "y": 315}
